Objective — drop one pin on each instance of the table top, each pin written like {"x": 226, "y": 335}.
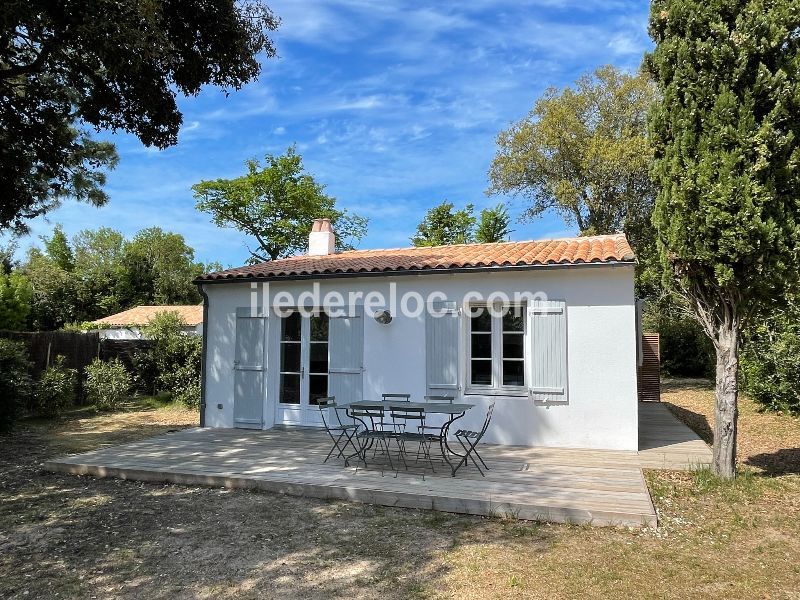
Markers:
{"x": 442, "y": 408}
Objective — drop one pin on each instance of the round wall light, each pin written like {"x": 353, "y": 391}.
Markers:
{"x": 384, "y": 317}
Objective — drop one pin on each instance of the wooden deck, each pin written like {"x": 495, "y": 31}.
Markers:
{"x": 561, "y": 485}
{"x": 666, "y": 443}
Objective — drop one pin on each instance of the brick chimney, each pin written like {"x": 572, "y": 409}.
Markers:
{"x": 321, "y": 240}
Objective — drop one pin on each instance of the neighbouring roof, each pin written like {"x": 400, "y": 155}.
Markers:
{"x": 601, "y": 249}
{"x": 141, "y": 315}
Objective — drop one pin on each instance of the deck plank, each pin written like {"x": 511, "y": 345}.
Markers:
{"x": 601, "y": 487}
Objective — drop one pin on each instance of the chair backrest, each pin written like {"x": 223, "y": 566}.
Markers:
{"x": 445, "y": 399}
{"x": 488, "y": 418}
{"x": 400, "y": 397}
{"x": 326, "y": 404}
{"x": 400, "y": 413}
{"x": 369, "y": 412}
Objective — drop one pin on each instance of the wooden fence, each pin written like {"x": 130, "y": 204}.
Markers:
{"x": 649, "y": 373}
{"x": 78, "y": 349}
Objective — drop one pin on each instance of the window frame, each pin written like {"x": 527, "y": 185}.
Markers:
{"x": 496, "y": 388}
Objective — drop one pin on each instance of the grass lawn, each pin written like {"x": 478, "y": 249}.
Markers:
{"x": 68, "y": 536}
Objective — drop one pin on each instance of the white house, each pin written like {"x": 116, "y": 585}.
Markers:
{"x": 557, "y": 351}
{"x": 127, "y": 325}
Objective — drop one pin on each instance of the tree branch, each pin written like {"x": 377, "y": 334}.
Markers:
{"x": 33, "y": 67}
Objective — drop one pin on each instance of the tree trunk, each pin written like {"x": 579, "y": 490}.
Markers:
{"x": 727, "y": 394}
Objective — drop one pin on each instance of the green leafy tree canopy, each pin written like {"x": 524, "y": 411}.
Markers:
{"x": 15, "y": 300}
{"x": 443, "y": 226}
{"x": 583, "y": 152}
{"x": 107, "y": 65}
{"x": 276, "y": 204}
{"x": 494, "y": 225}
{"x": 726, "y": 139}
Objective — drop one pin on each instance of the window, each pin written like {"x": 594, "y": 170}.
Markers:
{"x": 497, "y": 349}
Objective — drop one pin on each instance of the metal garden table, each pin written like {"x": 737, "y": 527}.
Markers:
{"x": 454, "y": 410}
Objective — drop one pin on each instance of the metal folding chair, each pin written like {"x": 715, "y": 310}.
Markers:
{"x": 400, "y": 416}
{"x": 367, "y": 437}
{"x": 469, "y": 440}
{"x": 441, "y": 418}
{"x": 398, "y": 397}
{"x": 341, "y": 434}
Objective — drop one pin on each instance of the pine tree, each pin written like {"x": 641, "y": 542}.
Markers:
{"x": 726, "y": 138}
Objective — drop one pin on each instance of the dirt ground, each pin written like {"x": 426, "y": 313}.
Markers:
{"x": 63, "y": 536}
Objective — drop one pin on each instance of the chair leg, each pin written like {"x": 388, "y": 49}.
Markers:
{"x": 336, "y": 441}
{"x": 349, "y": 442}
{"x": 469, "y": 448}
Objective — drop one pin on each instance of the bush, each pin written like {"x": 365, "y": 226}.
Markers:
{"x": 16, "y": 384}
{"x": 55, "y": 390}
{"x": 145, "y": 371}
{"x": 686, "y": 351}
{"x": 770, "y": 361}
{"x": 107, "y": 383}
{"x": 176, "y": 357}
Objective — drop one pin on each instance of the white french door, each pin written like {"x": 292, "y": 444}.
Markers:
{"x": 303, "y": 371}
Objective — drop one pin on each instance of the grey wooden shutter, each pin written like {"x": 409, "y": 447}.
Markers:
{"x": 441, "y": 348}
{"x": 249, "y": 368}
{"x": 346, "y": 354}
{"x": 547, "y": 330}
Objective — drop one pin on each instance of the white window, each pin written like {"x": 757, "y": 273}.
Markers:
{"x": 496, "y": 349}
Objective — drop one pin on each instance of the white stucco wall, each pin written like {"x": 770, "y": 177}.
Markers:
{"x": 134, "y": 333}
{"x": 602, "y": 407}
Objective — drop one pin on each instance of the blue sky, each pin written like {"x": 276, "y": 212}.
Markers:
{"x": 394, "y": 106}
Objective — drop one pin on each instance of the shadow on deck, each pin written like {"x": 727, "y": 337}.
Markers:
{"x": 665, "y": 442}
{"x": 560, "y": 485}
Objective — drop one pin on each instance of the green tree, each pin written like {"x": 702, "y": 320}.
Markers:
{"x": 443, "y": 226}
{"x": 157, "y": 267}
{"x": 55, "y": 294}
{"x": 583, "y": 153}
{"x": 276, "y": 204}
{"x": 15, "y": 300}
{"x": 107, "y": 274}
{"x": 98, "y": 271}
{"x": 494, "y": 225}
{"x": 58, "y": 249}
{"x": 727, "y": 144}
{"x": 770, "y": 359}
{"x": 111, "y": 65}
{"x": 175, "y": 357}
{"x": 7, "y": 251}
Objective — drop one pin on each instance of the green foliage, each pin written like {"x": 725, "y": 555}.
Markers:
{"x": 107, "y": 274}
{"x": 276, "y": 203}
{"x": 583, "y": 152}
{"x": 108, "y": 384}
{"x": 443, "y": 226}
{"x": 55, "y": 390}
{"x": 157, "y": 267}
{"x": 55, "y": 292}
{"x": 15, "y": 299}
{"x": 494, "y": 225}
{"x": 98, "y": 272}
{"x": 16, "y": 384}
{"x": 726, "y": 141}
{"x": 61, "y": 65}
{"x": 175, "y": 357}
{"x": 686, "y": 350}
{"x": 727, "y": 146}
{"x": 770, "y": 359}
{"x": 58, "y": 249}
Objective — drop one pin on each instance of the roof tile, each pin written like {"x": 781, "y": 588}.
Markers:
{"x": 573, "y": 251}
{"x": 141, "y": 315}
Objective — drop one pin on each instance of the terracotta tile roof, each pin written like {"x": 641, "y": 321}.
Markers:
{"x": 141, "y": 315}
{"x": 572, "y": 251}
